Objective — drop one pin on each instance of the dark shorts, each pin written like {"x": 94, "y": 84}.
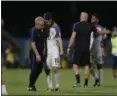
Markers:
{"x": 81, "y": 57}
{"x": 114, "y": 59}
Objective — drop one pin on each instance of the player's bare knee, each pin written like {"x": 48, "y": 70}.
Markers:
{"x": 55, "y": 69}
{"x": 75, "y": 69}
{"x": 75, "y": 66}
{"x": 86, "y": 70}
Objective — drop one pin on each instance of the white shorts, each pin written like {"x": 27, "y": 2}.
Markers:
{"x": 53, "y": 60}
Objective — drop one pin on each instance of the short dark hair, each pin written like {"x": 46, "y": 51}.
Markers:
{"x": 48, "y": 16}
{"x": 97, "y": 16}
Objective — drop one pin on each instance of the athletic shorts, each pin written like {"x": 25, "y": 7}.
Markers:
{"x": 53, "y": 60}
{"x": 81, "y": 57}
{"x": 97, "y": 53}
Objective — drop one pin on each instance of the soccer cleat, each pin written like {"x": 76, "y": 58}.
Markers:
{"x": 98, "y": 85}
{"x": 32, "y": 88}
{"x": 85, "y": 86}
{"x": 50, "y": 90}
{"x": 56, "y": 89}
{"x": 77, "y": 85}
{"x": 96, "y": 82}
{"x": 114, "y": 77}
{"x": 4, "y": 93}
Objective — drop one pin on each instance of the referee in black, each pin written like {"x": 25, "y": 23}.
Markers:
{"x": 81, "y": 35}
{"x": 38, "y": 39}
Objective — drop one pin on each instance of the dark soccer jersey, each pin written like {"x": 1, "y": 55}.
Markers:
{"x": 83, "y": 31}
{"x": 39, "y": 38}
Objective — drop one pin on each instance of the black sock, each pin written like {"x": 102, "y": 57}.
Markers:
{"x": 77, "y": 78}
{"x": 114, "y": 76}
{"x": 86, "y": 82}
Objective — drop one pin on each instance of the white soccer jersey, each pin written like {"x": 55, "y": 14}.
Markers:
{"x": 53, "y": 56}
{"x": 52, "y": 44}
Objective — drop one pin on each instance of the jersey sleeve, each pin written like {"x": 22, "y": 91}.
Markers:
{"x": 74, "y": 28}
{"x": 102, "y": 28}
{"x": 94, "y": 29}
{"x": 32, "y": 35}
{"x": 58, "y": 31}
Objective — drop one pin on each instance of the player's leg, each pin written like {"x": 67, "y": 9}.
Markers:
{"x": 48, "y": 68}
{"x": 114, "y": 66}
{"x": 4, "y": 90}
{"x": 55, "y": 67}
{"x": 93, "y": 68}
{"x": 94, "y": 74}
{"x": 76, "y": 61}
{"x": 86, "y": 58}
{"x": 36, "y": 69}
{"x": 100, "y": 62}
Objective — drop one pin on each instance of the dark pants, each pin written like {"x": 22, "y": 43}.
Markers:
{"x": 36, "y": 68}
{"x": 114, "y": 65}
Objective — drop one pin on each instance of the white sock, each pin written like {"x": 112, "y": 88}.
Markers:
{"x": 57, "y": 79}
{"x": 4, "y": 91}
{"x": 101, "y": 75}
{"x": 49, "y": 81}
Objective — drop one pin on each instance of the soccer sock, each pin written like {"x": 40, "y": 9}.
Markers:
{"x": 114, "y": 73}
{"x": 86, "y": 81}
{"x": 77, "y": 78}
{"x": 49, "y": 81}
{"x": 4, "y": 91}
{"x": 57, "y": 75}
{"x": 100, "y": 75}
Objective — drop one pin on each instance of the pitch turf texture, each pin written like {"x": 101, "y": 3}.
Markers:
{"x": 17, "y": 82}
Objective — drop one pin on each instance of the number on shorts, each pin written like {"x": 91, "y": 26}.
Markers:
{"x": 56, "y": 60}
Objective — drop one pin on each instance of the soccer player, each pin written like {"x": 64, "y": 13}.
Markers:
{"x": 97, "y": 50}
{"x": 38, "y": 39}
{"x": 12, "y": 41}
{"x": 81, "y": 36}
{"x": 114, "y": 52}
{"x": 54, "y": 50}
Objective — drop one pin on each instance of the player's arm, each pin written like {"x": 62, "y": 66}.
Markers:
{"x": 103, "y": 32}
{"x": 11, "y": 40}
{"x": 72, "y": 39}
{"x": 91, "y": 40}
{"x": 34, "y": 48}
{"x": 60, "y": 42}
{"x": 73, "y": 36}
{"x": 8, "y": 37}
{"x": 33, "y": 39}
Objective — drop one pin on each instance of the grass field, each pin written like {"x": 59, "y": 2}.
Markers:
{"x": 17, "y": 82}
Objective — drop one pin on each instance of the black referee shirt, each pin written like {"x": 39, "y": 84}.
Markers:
{"x": 83, "y": 31}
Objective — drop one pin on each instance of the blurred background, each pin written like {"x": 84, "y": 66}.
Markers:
{"x": 19, "y": 18}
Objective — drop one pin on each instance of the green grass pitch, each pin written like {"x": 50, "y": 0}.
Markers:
{"x": 17, "y": 83}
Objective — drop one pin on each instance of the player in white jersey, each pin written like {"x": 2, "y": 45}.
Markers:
{"x": 54, "y": 50}
{"x": 97, "y": 50}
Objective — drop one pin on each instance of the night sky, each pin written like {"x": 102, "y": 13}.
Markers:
{"x": 19, "y": 16}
